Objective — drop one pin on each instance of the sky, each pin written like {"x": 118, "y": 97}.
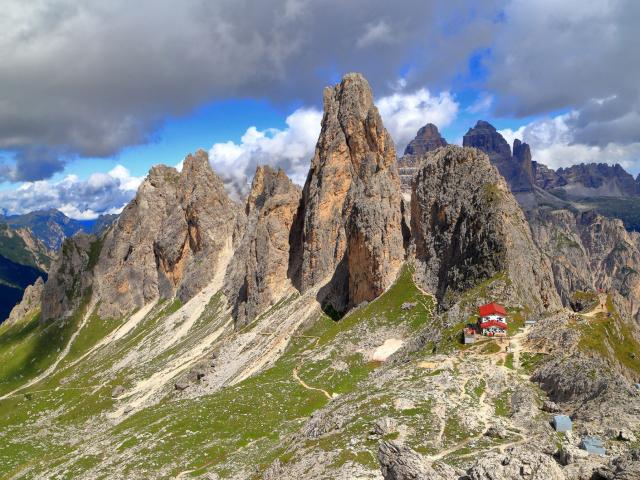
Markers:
{"x": 93, "y": 93}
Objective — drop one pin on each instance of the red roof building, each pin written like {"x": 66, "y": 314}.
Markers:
{"x": 492, "y": 309}
{"x": 493, "y": 319}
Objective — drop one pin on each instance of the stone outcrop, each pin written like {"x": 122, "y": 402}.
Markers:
{"x": 399, "y": 462}
{"x": 71, "y": 277}
{"x": 517, "y": 169}
{"x": 426, "y": 140}
{"x": 516, "y": 462}
{"x": 351, "y": 231}
{"x": 169, "y": 240}
{"x": 257, "y": 276}
{"x": 468, "y": 228}
{"x": 31, "y": 302}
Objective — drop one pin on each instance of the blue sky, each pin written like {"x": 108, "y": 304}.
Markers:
{"x": 94, "y": 94}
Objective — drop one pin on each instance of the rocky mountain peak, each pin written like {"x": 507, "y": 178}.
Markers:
{"x": 517, "y": 169}
{"x": 258, "y": 274}
{"x": 485, "y": 137}
{"x": 351, "y": 229}
{"x": 468, "y": 229}
{"x": 169, "y": 240}
{"x": 427, "y": 139}
{"x": 267, "y": 183}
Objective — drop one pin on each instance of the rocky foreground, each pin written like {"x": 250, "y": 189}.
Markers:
{"x": 316, "y": 332}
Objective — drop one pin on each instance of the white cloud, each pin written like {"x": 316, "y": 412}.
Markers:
{"x": 404, "y": 113}
{"x": 482, "y": 104}
{"x": 553, "y": 143}
{"x": 290, "y": 149}
{"x": 79, "y": 199}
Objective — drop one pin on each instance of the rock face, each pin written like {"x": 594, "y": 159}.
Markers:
{"x": 589, "y": 252}
{"x": 169, "y": 240}
{"x": 517, "y": 169}
{"x": 468, "y": 228}
{"x": 427, "y": 139}
{"x": 258, "y": 274}
{"x": 399, "y": 462}
{"x": 517, "y": 462}
{"x": 351, "y": 225}
{"x": 31, "y": 301}
{"x": 70, "y": 277}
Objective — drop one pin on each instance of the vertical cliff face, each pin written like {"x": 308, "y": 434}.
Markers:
{"x": 30, "y": 303}
{"x": 257, "y": 276}
{"x": 351, "y": 226}
{"x": 468, "y": 228}
{"x": 589, "y": 252}
{"x": 168, "y": 240}
{"x": 71, "y": 277}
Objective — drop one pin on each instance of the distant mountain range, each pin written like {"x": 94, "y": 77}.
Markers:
{"x": 27, "y": 245}
{"x": 23, "y": 259}
{"x": 52, "y": 226}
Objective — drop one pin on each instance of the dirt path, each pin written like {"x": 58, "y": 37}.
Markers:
{"x": 61, "y": 357}
{"x": 600, "y": 308}
{"x": 302, "y": 382}
{"x": 485, "y": 412}
{"x": 515, "y": 346}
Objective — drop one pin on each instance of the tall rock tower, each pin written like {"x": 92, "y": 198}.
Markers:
{"x": 351, "y": 224}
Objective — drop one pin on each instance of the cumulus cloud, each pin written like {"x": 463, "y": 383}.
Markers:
{"x": 403, "y": 113}
{"x": 79, "y": 199}
{"x": 554, "y": 143}
{"x": 85, "y": 79}
{"x": 290, "y": 149}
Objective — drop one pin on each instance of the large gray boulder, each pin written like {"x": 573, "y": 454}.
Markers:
{"x": 517, "y": 462}
{"x": 400, "y": 462}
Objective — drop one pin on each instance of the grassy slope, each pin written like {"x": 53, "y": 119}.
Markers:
{"x": 241, "y": 424}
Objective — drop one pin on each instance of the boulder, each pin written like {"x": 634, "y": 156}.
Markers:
{"x": 517, "y": 462}
{"x": 399, "y": 462}
{"x": 385, "y": 426}
{"x": 117, "y": 391}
